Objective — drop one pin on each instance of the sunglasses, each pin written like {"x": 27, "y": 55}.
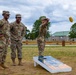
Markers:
{"x": 8, "y": 14}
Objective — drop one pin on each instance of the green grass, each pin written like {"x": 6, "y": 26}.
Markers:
{"x": 65, "y": 54}
{"x": 53, "y": 51}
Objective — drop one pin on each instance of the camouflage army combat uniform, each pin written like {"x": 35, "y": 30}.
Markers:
{"x": 4, "y": 36}
{"x": 17, "y": 33}
{"x": 41, "y": 39}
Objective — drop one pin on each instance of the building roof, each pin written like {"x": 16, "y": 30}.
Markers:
{"x": 61, "y": 33}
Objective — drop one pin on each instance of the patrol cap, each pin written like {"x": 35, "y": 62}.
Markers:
{"x": 44, "y": 18}
{"x": 5, "y": 12}
{"x": 18, "y": 15}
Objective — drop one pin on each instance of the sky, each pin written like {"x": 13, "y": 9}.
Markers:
{"x": 58, "y": 11}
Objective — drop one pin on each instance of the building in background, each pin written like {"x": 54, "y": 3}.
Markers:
{"x": 59, "y": 36}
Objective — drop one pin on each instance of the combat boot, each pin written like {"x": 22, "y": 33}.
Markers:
{"x": 40, "y": 58}
{"x": 3, "y": 66}
{"x": 20, "y": 62}
{"x": 13, "y": 60}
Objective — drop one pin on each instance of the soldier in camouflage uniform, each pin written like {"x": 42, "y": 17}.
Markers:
{"x": 41, "y": 37}
{"x": 4, "y": 37}
{"x": 17, "y": 31}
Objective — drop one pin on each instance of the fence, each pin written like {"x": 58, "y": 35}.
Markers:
{"x": 34, "y": 42}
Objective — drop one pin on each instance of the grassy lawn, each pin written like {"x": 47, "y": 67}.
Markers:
{"x": 65, "y": 54}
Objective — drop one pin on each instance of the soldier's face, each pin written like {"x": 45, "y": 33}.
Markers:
{"x": 18, "y": 19}
{"x": 44, "y": 21}
{"x": 6, "y": 16}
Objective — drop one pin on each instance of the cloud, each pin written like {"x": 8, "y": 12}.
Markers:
{"x": 57, "y": 11}
{"x": 62, "y": 26}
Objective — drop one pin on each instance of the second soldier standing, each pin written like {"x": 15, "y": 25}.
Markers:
{"x": 17, "y": 31}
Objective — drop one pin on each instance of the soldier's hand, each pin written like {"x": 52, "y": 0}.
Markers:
{"x": 9, "y": 42}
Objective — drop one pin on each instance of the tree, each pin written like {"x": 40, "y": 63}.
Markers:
{"x": 35, "y": 30}
{"x": 73, "y": 31}
{"x": 27, "y": 36}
